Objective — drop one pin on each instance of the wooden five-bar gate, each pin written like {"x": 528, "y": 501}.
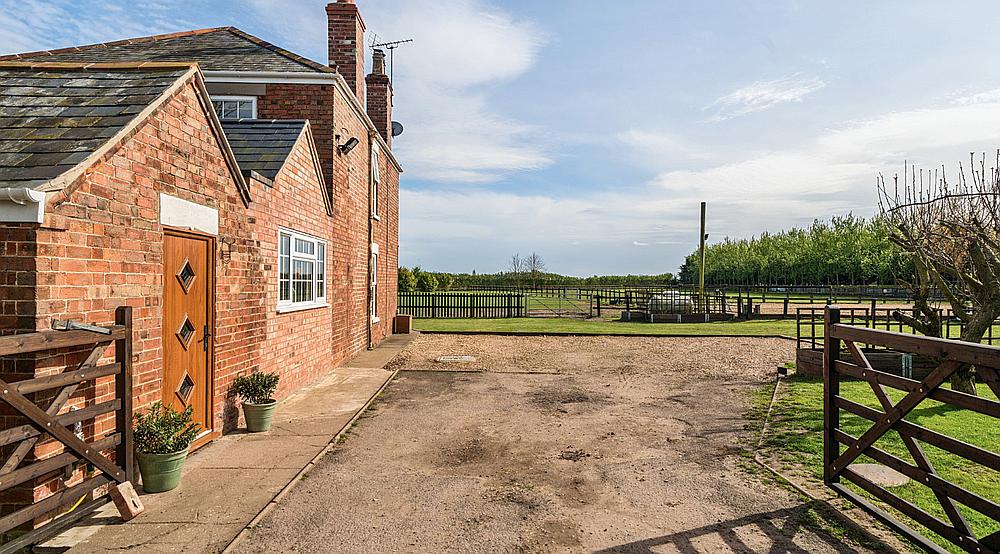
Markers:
{"x": 841, "y": 449}
{"x": 52, "y": 420}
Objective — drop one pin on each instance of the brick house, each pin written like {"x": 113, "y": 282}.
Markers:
{"x": 242, "y": 199}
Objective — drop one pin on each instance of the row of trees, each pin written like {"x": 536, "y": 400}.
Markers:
{"x": 521, "y": 271}
{"x": 416, "y": 279}
{"x": 844, "y": 251}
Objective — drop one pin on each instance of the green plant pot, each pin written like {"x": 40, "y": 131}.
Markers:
{"x": 161, "y": 472}
{"x": 259, "y": 416}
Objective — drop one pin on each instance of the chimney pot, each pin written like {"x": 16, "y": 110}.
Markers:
{"x": 378, "y": 62}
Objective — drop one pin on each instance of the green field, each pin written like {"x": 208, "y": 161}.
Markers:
{"x": 605, "y": 327}
{"x": 795, "y": 438}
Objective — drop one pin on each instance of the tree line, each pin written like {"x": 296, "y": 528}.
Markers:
{"x": 846, "y": 250}
{"x": 521, "y": 271}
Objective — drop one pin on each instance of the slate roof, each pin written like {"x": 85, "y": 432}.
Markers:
{"x": 216, "y": 49}
{"x": 262, "y": 145}
{"x": 52, "y": 118}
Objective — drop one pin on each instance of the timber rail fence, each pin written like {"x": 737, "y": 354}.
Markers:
{"x": 461, "y": 305}
{"x": 841, "y": 450}
{"x": 31, "y": 424}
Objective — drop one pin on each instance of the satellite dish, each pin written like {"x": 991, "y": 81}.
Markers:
{"x": 397, "y": 128}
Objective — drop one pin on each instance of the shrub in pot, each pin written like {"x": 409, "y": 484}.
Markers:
{"x": 162, "y": 437}
{"x": 257, "y": 390}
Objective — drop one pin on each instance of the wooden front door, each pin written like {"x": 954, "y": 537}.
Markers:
{"x": 188, "y": 282}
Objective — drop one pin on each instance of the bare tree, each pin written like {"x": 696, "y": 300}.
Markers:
{"x": 534, "y": 266}
{"x": 952, "y": 234}
{"x": 516, "y": 268}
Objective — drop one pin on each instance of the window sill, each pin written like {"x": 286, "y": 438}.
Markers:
{"x": 301, "y": 307}
{"x": 376, "y": 217}
{"x": 376, "y": 320}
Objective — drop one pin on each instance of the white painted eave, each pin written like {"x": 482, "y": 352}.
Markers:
{"x": 21, "y": 205}
{"x": 274, "y": 77}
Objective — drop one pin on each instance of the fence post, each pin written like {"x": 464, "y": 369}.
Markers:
{"x": 628, "y": 305}
{"x": 831, "y": 389}
{"x": 873, "y": 313}
{"x": 786, "y": 307}
{"x": 434, "y": 310}
{"x": 123, "y": 391}
{"x": 598, "y": 304}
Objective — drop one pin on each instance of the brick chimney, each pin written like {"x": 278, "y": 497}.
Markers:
{"x": 380, "y": 97}
{"x": 346, "y": 32}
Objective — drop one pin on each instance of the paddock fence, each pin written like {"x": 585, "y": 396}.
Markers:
{"x": 810, "y": 337}
{"x": 480, "y": 305}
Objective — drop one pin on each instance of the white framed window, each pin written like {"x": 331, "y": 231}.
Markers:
{"x": 235, "y": 107}
{"x": 301, "y": 271}
{"x": 375, "y": 180}
{"x": 373, "y": 286}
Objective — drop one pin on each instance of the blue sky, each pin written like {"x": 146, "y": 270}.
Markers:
{"x": 588, "y": 131}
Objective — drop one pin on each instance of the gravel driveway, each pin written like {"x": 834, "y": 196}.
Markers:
{"x": 606, "y": 444}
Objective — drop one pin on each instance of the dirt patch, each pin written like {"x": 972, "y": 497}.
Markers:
{"x": 606, "y": 444}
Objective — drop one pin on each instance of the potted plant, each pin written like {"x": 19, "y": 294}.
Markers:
{"x": 257, "y": 390}
{"x": 162, "y": 437}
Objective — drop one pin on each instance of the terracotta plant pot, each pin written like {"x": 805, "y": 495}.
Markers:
{"x": 259, "y": 416}
{"x": 161, "y": 472}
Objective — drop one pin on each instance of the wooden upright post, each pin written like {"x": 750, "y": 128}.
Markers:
{"x": 701, "y": 261}
{"x": 831, "y": 389}
{"x": 123, "y": 391}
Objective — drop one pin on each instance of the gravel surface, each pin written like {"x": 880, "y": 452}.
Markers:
{"x": 606, "y": 444}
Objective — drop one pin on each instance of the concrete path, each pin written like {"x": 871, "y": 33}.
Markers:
{"x": 231, "y": 483}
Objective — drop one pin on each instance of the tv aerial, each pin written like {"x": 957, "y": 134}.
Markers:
{"x": 391, "y": 46}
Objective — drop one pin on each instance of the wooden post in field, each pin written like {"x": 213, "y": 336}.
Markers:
{"x": 701, "y": 261}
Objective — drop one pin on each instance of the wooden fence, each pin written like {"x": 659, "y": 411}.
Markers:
{"x": 809, "y": 323}
{"x": 41, "y": 422}
{"x": 461, "y": 305}
{"x": 841, "y": 450}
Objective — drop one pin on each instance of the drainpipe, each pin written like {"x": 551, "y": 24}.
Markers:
{"x": 371, "y": 235}
{"x": 22, "y": 205}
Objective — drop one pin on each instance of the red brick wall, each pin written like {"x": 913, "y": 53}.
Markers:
{"x": 102, "y": 245}
{"x": 385, "y": 232}
{"x": 17, "y": 278}
{"x": 296, "y": 343}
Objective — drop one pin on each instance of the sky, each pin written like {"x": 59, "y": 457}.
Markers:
{"x": 588, "y": 131}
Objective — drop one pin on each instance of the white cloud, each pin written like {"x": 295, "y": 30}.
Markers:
{"x": 764, "y": 95}
{"x": 453, "y": 132}
{"x": 29, "y": 25}
{"x": 651, "y": 227}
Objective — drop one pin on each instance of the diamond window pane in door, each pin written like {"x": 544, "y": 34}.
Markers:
{"x": 185, "y": 388}
{"x": 186, "y": 276}
{"x": 186, "y": 332}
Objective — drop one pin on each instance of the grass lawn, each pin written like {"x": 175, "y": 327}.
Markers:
{"x": 604, "y": 327}
{"x": 795, "y": 438}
